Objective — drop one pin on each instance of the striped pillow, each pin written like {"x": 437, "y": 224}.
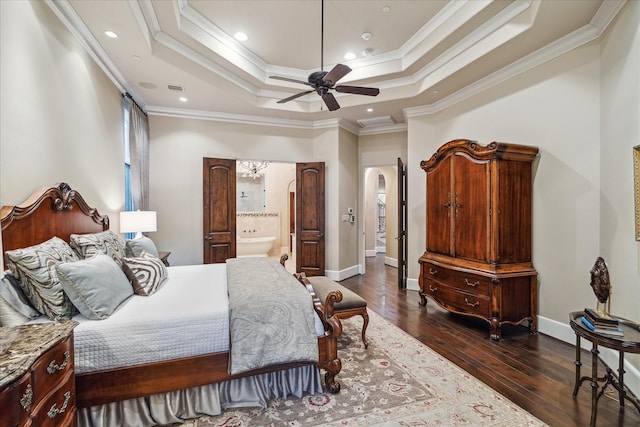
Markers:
{"x": 146, "y": 273}
{"x": 34, "y": 267}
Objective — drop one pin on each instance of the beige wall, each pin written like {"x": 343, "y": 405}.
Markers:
{"x": 60, "y": 116}
{"x": 620, "y": 131}
{"x": 177, "y": 147}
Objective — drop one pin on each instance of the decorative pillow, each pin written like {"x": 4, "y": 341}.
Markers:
{"x": 146, "y": 273}
{"x": 96, "y": 286}
{"x": 135, "y": 247}
{"x": 13, "y": 295}
{"x": 104, "y": 242}
{"x": 34, "y": 268}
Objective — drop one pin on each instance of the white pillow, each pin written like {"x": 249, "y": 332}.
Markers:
{"x": 96, "y": 286}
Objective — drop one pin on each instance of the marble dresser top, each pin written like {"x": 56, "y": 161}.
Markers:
{"x": 20, "y": 346}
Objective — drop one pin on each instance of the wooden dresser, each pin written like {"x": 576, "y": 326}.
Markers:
{"x": 37, "y": 381}
{"x": 479, "y": 233}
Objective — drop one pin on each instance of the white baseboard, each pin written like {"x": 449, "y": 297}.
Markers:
{"x": 391, "y": 261}
{"x": 412, "y": 284}
{"x": 370, "y": 253}
{"x": 343, "y": 274}
{"x": 381, "y": 249}
{"x": 563, "y": 332}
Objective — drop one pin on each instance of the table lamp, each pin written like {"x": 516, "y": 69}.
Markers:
{"x": 138, "y": 222}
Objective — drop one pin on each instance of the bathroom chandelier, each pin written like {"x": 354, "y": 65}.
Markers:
{"x": 252, "y": 168}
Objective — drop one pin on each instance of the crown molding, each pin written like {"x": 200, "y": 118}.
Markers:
{"x": 580, "y": 37}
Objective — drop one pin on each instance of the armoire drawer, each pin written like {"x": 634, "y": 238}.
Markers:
{"x": 463, "y": 281}
{"x": 456, "y": 300}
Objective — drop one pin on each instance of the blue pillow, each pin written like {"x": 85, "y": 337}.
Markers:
{"x": 96, "y": 286}
{"x": 135, "y": 248}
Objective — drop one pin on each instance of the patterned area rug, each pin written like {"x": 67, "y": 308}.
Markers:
{"x": 397, "y": 381}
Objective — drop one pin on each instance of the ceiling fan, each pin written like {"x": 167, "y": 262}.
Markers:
{"x": 323, "y": 81}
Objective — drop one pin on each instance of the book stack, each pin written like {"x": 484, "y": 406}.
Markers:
{"x": 600, "y": 322}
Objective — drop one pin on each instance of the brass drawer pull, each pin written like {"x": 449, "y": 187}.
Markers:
{"x": 432, "y": 289}
{"x": 53, "y": 412}
{"x": 472, "y": 304}
{"x": 27, "y": 398}
{"x": 472, "y": 284}
{"x": 53, "y": 367}
{"x": 432, "y": 271}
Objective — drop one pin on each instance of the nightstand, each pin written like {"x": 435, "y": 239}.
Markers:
{"x": 37, "y": 382}
{"x": 164, "y": 257}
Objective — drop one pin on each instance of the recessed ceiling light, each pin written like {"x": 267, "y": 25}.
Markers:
{"x": 367, "y": 36}
{"x": 369, "y": 110}
{"x": 136, "y": 57}
{"x": 386, "y": 9}
{"x": 183, "y": 99}
{"x": 148, "y": 85}
{"x": 435, "y": 92}
{"x": 349, "y": 56}
{"x": 241, "y": 37}
{"x": 367, "y": 52}
{"x": 111, "y": 34}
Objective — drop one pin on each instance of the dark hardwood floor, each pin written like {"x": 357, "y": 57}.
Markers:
{"x": 536, "y": 372}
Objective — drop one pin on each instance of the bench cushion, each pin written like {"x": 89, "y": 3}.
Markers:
{"x": 323, "y": 285}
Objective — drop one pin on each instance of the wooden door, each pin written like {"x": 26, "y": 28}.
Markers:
{"x": 292, "y": 218}
{"x": 402, "y": 225}
{"x": 439, "y": 239}
{"x": 310, "y": 218}
{"x": 470, "y": 205}
{"x": 219, "y": 209}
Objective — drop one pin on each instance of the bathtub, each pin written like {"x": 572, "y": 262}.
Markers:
{"x": 254, "y": 246}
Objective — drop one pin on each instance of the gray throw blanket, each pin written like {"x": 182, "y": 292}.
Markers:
{"x": 271, "y": 316}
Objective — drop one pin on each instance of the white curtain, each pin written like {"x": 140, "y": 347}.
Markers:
{"x": 138, "y": 136}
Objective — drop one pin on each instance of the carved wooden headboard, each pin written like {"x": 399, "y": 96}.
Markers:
{"x": 53, "y": 211}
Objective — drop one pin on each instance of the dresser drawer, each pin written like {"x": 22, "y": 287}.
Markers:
{"x": 54, "y": 365}
{"x": 58, "y": 407}
{"x": 464, "y": 281}
{"x": 16, "y": 402}
{"x": 456, "y": 300}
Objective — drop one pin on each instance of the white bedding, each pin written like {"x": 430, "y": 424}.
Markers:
{"x": 188, "y": 316}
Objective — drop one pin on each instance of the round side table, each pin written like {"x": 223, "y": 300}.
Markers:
{"x": 627, "y": 343}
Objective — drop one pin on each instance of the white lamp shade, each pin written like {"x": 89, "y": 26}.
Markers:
{"x": 138, "y": 221}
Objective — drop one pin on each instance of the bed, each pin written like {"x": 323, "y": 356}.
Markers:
{"x": 61, "y": 211}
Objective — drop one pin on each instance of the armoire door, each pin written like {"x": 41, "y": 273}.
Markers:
{"x": 310, "y": 256}
{"x": 470, "y": 208}
{"x": 219, "y": 209}
{"x": 439, "y": 239}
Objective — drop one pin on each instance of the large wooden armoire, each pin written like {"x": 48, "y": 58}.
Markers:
{"x": 479, "y": 233}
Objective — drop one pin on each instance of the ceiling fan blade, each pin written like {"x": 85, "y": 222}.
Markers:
{"x": 358, "y": 90}
{"x": 286, "y": 79}
{"x": 330, "y": 101}
{"x": 297, "y": 95}
{"x": 336, "y": 73}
